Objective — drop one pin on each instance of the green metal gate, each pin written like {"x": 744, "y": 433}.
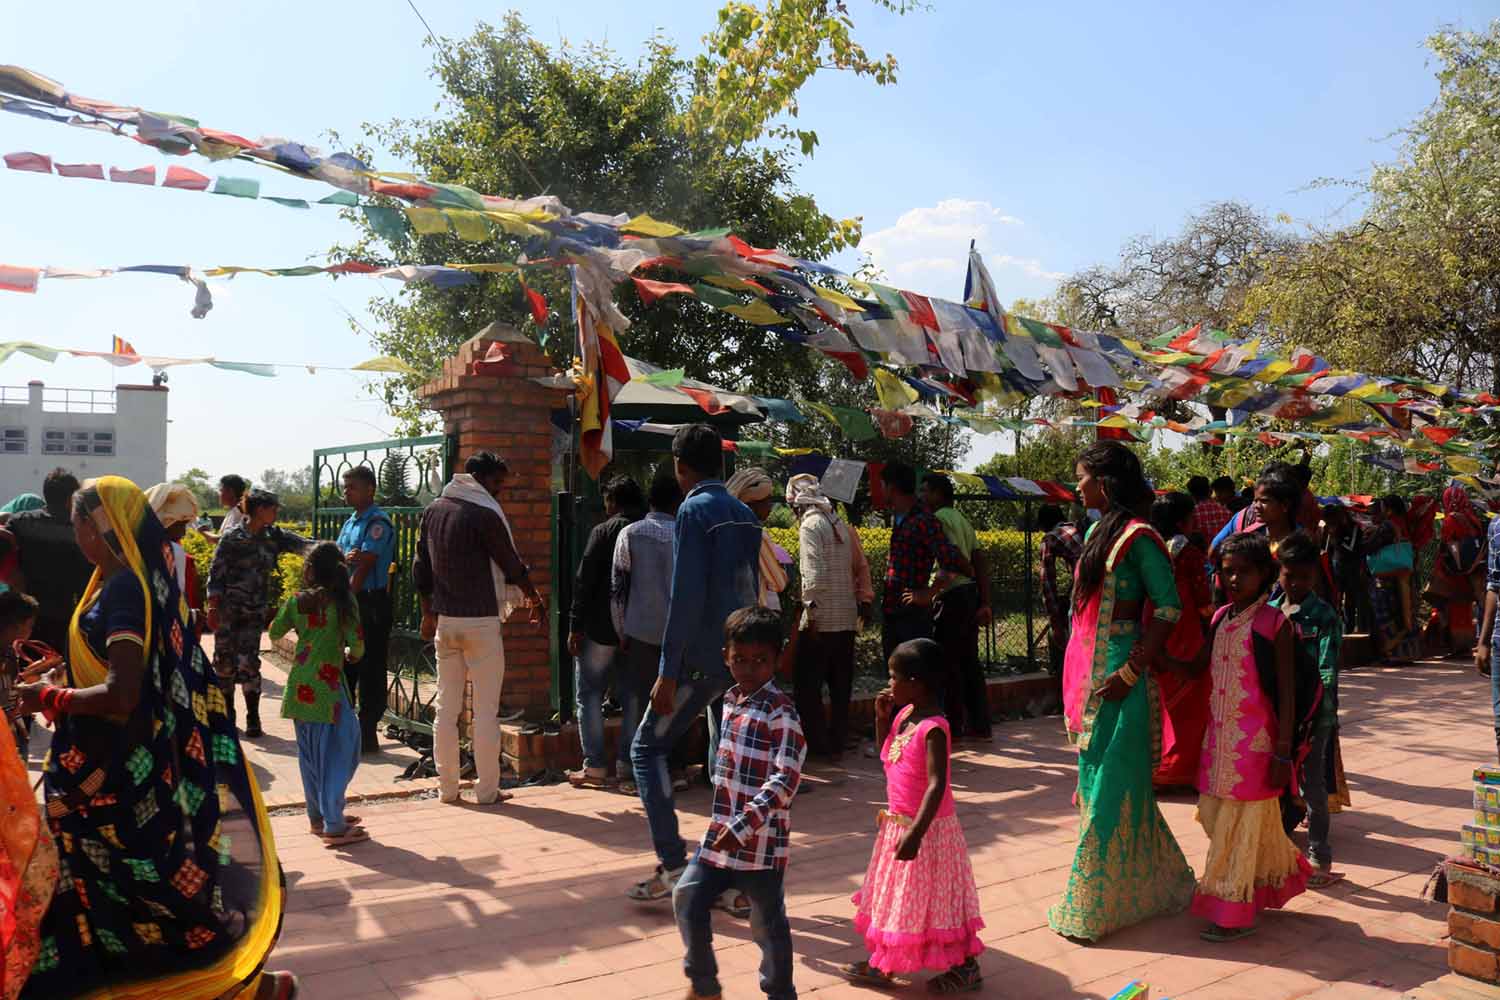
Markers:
{"x": 409, "y": 474}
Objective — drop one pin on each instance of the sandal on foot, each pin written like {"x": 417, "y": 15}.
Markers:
{"x": 657, "y": 887}
{"x": 501, "y": 796}
{"x": 1224, "y": 935}
{"x": 353, "y": 835}
{"x": 734, "y": 903}
{"x": 959, "y": 979}
{"x": 865, "y": 973}
{"x": 1322, "y": 880}
{"x": 589, "y": 778}
{"x": 349, "y": 820}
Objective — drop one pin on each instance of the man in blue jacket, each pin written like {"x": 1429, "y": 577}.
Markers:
{"x": 716, "y": 550}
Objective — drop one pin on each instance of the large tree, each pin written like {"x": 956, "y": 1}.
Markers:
{"x": 702, "y": 142}
{"x": 1413, "y": 287}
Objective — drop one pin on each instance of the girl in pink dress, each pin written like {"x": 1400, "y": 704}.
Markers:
{"x": 919, "y": 906}
{"x": 1247, "y": 751}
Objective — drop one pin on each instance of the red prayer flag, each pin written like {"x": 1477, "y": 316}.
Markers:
{"x": 143, "y": 175}
{"x": 37, "y": 163}
{"x": 411, "y": 192}
{"x": 537, "y": 302}
{"x": 185, "y": 179}
{"x": 1440, "y": 435}
{"x": 1185, "y": 340}
{"x": 707, "y": 400}
{"x": 350, "y": 266}
{"x": 496, "y": 361}
{"x": 650, "y": 291}
{"x": 919, "y": 311}
{"x": 87, "y": 171}
{"x": 877, "y": 486}
{"x": 854, "y": 362}
{"x": 19, "y": 279}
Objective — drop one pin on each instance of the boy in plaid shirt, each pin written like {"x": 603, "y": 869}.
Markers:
{"x": 756, "y": 773}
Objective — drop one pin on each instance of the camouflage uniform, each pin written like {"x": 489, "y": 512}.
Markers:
{"x": 239, "y": 579}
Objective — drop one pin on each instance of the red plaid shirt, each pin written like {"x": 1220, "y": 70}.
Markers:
{"x": 917, "y": 541}
{"x": 1209, "y": 517}
{"x": 756, "y": 773}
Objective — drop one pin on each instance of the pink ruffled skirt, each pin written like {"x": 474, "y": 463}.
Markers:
{"x": 924, "y": 913}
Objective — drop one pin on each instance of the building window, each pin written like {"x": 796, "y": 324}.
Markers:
{"x": 54, "y": 441}
{"x": 13, "y": 440}
{"x": 104, "y": 442}
{"x": 78, "y": 442}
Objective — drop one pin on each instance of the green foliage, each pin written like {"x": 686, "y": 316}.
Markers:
{"x": 603, "y": 134}
{"x": 293, "y": 487}
{"x": 1410, "y": 289}
{"x": 206, "y": 492}
{"x": 286, "y": 580}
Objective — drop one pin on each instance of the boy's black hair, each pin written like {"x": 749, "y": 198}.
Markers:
{"x": 754, "y": 626}
{"x": 1284, "y": 490}
{"x": 1049, "y": 517}
{"x": 942, "y": 484}
{"x": 1297, "y": 549}
{"x": 58, "y": 488}
{"x": 234, "y": 484}
{"x": 700, "y": 448}
{"x": 16, "y": 607}
{"x": 1254, "y": 547}
{"x": 625, "y": 493}
{"x": 258, "y": 499}
{"x": 1170, "y": 513}
{"x": 1393, "y": 505}
{"x": 483, "y": 464}
{"x": 900, "y": 477}
{"x": 666, "y": 493}
{"x": 1223, "y": 483}
{"x": 921, "y": 660}
{"x": 1198, "y": 488}
{"x": 361, "y": 473}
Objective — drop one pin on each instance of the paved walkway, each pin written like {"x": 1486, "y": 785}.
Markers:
{"x": 526, "y": 899}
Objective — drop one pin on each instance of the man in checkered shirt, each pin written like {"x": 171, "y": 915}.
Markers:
{"x": 756, "y": 773}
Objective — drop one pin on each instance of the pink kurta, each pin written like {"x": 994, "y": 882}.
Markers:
{"x": 1241, "y": 738}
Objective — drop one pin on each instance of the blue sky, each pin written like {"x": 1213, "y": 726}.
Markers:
{"x": 1049, "y": 132}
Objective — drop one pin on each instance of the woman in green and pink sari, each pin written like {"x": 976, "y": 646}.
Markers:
{"x": 1128, "y": 866}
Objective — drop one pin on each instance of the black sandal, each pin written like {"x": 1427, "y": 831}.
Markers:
{"x": 959, "y": 979}
{"x": 865, "y": 974}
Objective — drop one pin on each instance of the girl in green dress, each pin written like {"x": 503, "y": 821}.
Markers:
{"x": 1128, "y": 866}
{"x": 326, "y": 619}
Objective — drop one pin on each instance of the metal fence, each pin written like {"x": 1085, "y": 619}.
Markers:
{"x": 409, "y": 474}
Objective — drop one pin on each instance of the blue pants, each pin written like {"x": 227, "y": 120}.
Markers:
{"x": 591, "y": 674}
{"x": 1495, "y": 682}
{"x": 653, "y": 744}
{"x": 692, "y": 904}
{"x": 1315, "y": 793}
{"x": 327, "y": 755}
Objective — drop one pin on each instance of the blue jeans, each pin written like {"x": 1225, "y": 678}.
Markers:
{"x": 1315, "y": 794}
{"x": 591, "y": 673}
{"x": 1495, "y": 682}
{"x": 692, "y": 904}
{"x": 653, "y": 744}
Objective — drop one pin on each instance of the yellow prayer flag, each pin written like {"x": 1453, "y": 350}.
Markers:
{"x": 469, "y": 225}
{"x": 838, "y": 298}
{"x": 793, "y": 452}
{"x": 1273, "y": 371}
{"x": 386, "y": 363}
{"x": 1463, "y": 463}
{"x": 734, "y": 284}
{"x": 969, "y": 482}
{"x": 821, "y": 411}
{"x": 514, "y": 223}
{"x": 644, "y": 225}
{"x": 427, "y": 221}
{"x": 893, "y": 393}
{"x": 494, "y": 268}
{"x": 757, "y": 312}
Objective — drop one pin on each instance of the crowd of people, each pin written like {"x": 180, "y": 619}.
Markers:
{"x": 1198, "y": 638}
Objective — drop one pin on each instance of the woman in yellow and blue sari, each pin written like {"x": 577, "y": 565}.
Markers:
{"x": 1128, "y": 866}
{"x": 170, "y": 885}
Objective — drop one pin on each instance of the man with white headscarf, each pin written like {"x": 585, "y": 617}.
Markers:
{"x": 176, "y": 508}
{"x": 829, "y": 620}
{"x": 753, "y": 488}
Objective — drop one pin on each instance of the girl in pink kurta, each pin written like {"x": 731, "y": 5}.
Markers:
{"x": 919, "y": 906}
{"x": 1247, "y": 753}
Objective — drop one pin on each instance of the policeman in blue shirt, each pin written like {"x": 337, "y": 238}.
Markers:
{"x": 368, "y": 541}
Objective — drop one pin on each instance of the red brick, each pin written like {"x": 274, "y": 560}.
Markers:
{"x": 1471, "y": 928}
{"x": 1476, "y": 963}
{"x": 1466, "y": 896}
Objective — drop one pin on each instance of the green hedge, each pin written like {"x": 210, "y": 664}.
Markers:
{"x": 286, "y": 580}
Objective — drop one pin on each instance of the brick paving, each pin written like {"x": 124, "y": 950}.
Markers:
{"x": 526, "y": 899}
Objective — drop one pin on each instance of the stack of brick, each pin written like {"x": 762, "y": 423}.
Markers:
{"x": 489, "y": 398}
{"x": 1474, "y": 889}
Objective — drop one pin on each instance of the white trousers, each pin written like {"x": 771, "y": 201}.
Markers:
{"x": 469, "y": 651}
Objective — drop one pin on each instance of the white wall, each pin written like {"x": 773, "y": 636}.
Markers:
{"x": 135, "y": 415}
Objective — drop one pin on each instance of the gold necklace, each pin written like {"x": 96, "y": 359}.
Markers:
{"x": 898, "y": 744}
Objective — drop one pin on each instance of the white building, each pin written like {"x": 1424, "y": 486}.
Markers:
{"x": 89, "y": 432}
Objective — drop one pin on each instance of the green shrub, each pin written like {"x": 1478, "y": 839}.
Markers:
{"x": 286, "y": 580}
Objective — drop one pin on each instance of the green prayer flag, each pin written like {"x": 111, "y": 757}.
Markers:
{"x": 455, "y": 196}
{"x": 296, "y": 272}
{"x": 708, "y": 234}
{"x": 264, "y": 371}
{"x": 288, "y": 202}
{"x": 671, "y": 378}
{"x": 388, "y": 223}
{"x": 1040, "y": 332}
{"x": 758, "y": 449}
{"x": 237, "y": 187}
{"x": 890, "y": 298}
{"x": 856, "y": 424}
{"x": 345, "y": 198}
{"x": 716, "y": 297}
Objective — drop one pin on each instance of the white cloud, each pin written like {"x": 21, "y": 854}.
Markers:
{"x": 925, "y": 250}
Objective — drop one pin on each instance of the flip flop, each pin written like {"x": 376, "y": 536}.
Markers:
{"x": 1224, "y": 935}
{"x": 349, "y": 820}
{"x": 659, "y": 886}
{"x": 739, "y": 907}
{"x": 501, "y": 796}
{"x": 1322, "y": 880}
{"x": 353, "y": 835}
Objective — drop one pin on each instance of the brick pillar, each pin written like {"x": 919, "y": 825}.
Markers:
{"x": 1474, "y": 924}
{"x": 510, "y": 414}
